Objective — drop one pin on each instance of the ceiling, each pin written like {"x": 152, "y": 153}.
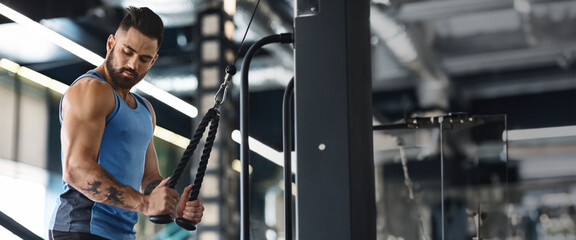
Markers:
{"x": 513, "y": 57}
{"x": 478, "y": 56}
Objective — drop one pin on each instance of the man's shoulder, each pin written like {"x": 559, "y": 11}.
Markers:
{"x": 92, "y": 84}
{"x": 89, "y": 93}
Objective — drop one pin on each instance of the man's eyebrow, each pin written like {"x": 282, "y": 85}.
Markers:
{"x": 134, "y": 50}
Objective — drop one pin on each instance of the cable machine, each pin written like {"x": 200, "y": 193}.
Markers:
{"x": 333, "y": 123}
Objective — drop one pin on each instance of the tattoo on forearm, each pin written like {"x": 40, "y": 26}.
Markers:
{"x": 151, "y": 186}
{"x": 115, "y": 195}
{"x": 93, "y": 187}
{"x": 113, "y": 192}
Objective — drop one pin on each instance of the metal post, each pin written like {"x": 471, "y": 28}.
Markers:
{"x": 335, "y": 168}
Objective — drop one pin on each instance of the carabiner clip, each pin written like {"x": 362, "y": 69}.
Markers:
{"x": 221, "y": 94}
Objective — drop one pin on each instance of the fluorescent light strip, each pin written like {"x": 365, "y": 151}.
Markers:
{"x": 167, "y": 98}
{"x": 33, "y": 76}
{"x": 9, "y": 65}
{"x": 538, "y": 133}
{"x": 237, "y": 166}
{"x": 94, "y": 59}
{"x": 42, "y": 80}
{"x": 264, "y": 150}
{"x": 54, "y": 37}
{"x": 260, "y": 148}
{"x": 171, "y": 137}
{"x": 230, "y": 7}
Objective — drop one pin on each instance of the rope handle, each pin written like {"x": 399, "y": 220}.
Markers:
{"x": 184, "y": 223}
{"x": 211, "y": 116}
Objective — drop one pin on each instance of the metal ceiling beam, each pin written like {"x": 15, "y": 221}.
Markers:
{"x": 430, "y": 10}
{"x": 516, "y": 87}
{"x": 507, "y": 59}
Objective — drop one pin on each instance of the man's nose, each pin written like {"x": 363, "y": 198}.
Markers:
{"x": 132, "y": 62}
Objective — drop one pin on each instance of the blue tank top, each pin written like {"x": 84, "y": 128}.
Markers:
{"x": 122, "y": 153}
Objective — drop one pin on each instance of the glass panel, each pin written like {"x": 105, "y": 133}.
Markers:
{"x": 408, "y": 181}
{"x": 434, "y": 175}
{"x": 475, "y": 177}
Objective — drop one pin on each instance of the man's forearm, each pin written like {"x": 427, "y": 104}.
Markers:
{"x": 99, "y": 185}
{"x": 151, "y": 186}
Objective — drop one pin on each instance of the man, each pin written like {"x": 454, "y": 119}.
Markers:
{"x": 107, "y": 146}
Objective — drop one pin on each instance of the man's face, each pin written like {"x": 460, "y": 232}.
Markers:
{"x": 130, "y": 56}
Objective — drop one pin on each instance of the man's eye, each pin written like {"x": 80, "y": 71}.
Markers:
{"x": 128, "y": 53}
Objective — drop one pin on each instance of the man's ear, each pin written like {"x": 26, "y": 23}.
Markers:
{"x": 110, "y": 42}
{"x": 153, "y": 60}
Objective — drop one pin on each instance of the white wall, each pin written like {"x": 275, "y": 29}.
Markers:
{"x": 23, "y": 128}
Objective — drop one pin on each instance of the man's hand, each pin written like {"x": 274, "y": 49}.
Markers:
{"x": 162, "y": 200}
{"x": 190, "y": 210}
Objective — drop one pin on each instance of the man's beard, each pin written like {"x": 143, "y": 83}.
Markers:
{"x": 116, "y": 74}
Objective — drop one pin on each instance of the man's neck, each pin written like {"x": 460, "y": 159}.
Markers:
{"x": 124, "y": 93}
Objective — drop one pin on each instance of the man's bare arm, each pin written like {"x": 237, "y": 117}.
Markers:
{"x": 151, "y": 177}
{"x": 84, "y": 110}
{"x": 151, "y": 186}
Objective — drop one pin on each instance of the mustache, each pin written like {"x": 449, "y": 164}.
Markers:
{"x": 130, "y": 70}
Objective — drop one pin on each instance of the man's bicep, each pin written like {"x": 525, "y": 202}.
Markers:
{"x": 84, "y": 114}
{"x": 81, "y": 137}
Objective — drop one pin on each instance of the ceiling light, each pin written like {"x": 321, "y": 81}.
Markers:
{"x": 33, "y": 76}
{"x": 171, "y": 137}
{"x": 537, "y": 133}
{"x": 265, "y": 151}
{"x": 54, "y": 37}
{"x": 161, "y": 6}
{"x": 167, "y": 98}
{"x": 95, "y": 59}
{"x": 260, "y": 148}
{"x": 230, "y": 7}
{"x": 9, "y": 65}
{"x": 237, "y": 166}
{"x": 42, "y": 80}
{"x": 173, "y": 13}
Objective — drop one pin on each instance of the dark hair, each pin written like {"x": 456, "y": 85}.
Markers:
{"x": 144, "y": 20}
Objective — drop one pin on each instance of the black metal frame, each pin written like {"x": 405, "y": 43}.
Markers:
{"x": 333, "y": 108}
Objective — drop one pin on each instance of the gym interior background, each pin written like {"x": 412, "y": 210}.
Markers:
{"x": 506, "y": 65}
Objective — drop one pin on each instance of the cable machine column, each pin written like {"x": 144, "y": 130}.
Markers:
{"x": 335, "y": 167}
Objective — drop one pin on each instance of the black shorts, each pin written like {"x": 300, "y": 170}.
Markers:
{"x": 58, "y": 235}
